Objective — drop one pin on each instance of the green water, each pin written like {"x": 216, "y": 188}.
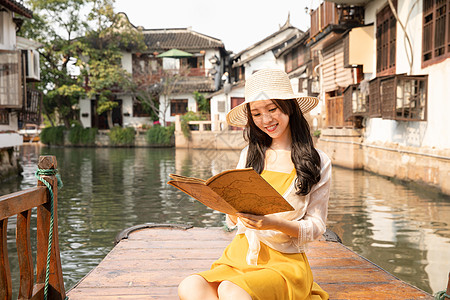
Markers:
{"x": 404, "y": 229}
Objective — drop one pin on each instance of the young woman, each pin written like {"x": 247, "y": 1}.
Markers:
{"x": 266, "y": 259}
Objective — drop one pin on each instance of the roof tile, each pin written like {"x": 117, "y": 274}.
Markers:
{"x": 179, "y": 38}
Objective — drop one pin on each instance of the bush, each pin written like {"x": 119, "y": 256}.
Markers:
{"x": 82, "y": 136}
{"x": 160, "y": 135}
{"x": 52, "y": 135}
{"x": 317, "y": 133}
{"x": 186, "y": 118}
{"x": 122, "y": 136}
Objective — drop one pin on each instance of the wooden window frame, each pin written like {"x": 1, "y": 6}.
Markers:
{"x": 11, "y": 80}
{"x": 4, "y": 117}
{"x": 175, "y": 106}
{"x": 356, "y": 104}
{"x": 436, "y": 31}
{"x": 386, "y": 35}
{"x": 400, "y": 104}
{"x": 138, "y": 110}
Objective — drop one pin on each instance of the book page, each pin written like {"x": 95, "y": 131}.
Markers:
{"x": 185, "y": 179}
{"x": 204, "y": 194}
{"x": 247, "y": 192}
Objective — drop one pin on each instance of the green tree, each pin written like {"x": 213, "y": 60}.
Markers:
{"x": 81, "y": 54}
{"x": 202, "y": 102}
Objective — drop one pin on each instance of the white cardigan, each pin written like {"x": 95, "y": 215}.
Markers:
{"x": 310, "y": 212}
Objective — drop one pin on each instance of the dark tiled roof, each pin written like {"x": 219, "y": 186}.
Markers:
{"x": 191, "y": 84}
{"x": 17, "y": 7}
{"x": 179, "y": 38}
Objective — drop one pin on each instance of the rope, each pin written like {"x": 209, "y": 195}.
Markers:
{"x": 441, "y": 295}
{"x": 49, "y": 172}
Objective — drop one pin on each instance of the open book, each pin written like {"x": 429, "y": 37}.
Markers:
{"x": 233, "y": 191}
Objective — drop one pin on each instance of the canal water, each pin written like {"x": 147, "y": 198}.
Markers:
{"x": 405, "y": 229}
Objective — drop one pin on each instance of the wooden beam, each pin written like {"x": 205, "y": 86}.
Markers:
{"x": 15, "y": 203}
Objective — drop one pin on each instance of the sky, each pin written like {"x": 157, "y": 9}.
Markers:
{"x": 238, "y": 23}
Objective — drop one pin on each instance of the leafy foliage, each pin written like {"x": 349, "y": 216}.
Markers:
{"x": 190, "y": 116}
{"x": 81, "y": 54}
{"x": 317, "y": 133}
{"x": 160, "y": 135}
{"x": 202, "y": 103}
{"x": 82, "y": 136}
{"x": 122, "y": 136}
{"x": 52, "y": 135}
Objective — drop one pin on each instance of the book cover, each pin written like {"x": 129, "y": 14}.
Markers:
{"x": 233, "y": 191}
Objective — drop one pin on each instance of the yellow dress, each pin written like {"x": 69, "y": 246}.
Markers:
{"x": 277, "y": 275}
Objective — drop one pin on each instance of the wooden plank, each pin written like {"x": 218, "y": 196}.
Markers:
{"x": 23, "y": 242}
{"x": 5, "y": 274}
{"x": 394, "y": 290}
{"x": 151, "y": 263}
{"x": 16, "y": 203}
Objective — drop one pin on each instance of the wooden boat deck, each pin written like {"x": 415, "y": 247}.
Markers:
{"x": 149, "y": 263}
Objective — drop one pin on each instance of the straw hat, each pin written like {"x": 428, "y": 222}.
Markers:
{"x": 264, "y": 85}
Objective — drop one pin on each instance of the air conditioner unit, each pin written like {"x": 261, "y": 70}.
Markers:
{"x": 33, "y": 71}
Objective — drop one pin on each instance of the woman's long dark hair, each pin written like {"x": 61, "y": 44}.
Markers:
{"x": 304, "y": 156}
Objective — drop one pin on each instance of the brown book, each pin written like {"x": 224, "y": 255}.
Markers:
{"x": 233, "y": 191}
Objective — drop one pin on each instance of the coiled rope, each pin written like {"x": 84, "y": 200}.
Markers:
{"x": 441, "y": 295}
{"x": 49, "y": 172}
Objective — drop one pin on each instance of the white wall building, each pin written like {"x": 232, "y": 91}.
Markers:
{"x": 260, "y": 55}
{"x": 431, "y": 132}
{"x": 201, "y": 70}
{"x": 13, "y": 96}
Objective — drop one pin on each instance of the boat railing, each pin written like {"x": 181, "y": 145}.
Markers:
{"x": 20, "y": 204}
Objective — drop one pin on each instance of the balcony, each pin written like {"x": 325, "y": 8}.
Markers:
{"x": 332, "y": 14}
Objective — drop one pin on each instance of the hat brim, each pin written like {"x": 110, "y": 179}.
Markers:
{"x": 238, "y": 115}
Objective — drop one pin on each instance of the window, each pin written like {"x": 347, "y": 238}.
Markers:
{"x": 356, "y": 101}
{"x": 10, "y": 79}
{"x": 404, "y": 97}
{"x": 4, "y": 117}
{"x": 291, "y": 60}
{"x": 221, "y": 106}
{"x": 386, "y": 40}
{"x": 436, "y": 30}
{"x": 140, "y": 110}
{"x": 178, "y": 106}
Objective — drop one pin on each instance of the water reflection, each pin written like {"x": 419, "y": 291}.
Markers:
{"x": 403, "y": 229}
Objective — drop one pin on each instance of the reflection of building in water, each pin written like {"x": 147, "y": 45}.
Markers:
{"x": 392, "y": 225}
{"x": 86, "y": 179}
{"x": 438, "y": 258}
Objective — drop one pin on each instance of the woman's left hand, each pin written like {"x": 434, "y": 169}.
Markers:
{"x": 259, "y": 222}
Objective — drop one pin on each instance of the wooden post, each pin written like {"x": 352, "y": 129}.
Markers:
{"x": 23, "y": 243}
{"x": 5, "y": 274}
{"x": 448, "y": 287}
{"x": 56, "y": 284}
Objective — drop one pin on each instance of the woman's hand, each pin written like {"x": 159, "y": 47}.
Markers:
{"x": 259, "y": 222}
{"x": 269, "y": 222}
